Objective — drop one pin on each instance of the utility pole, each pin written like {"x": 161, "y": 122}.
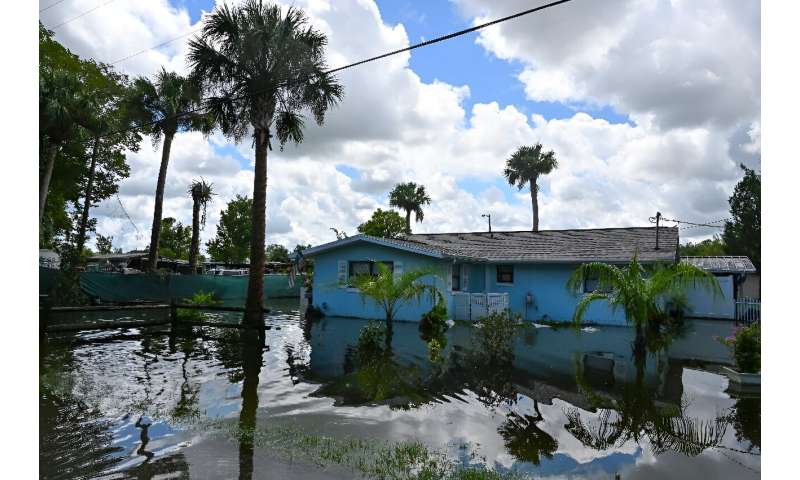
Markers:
{"x": 658, "y": 220}
{"x": 489, "y": 216}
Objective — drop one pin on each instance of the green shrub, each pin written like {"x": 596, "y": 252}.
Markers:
{"x": 434, "y": 322}
{"x": 371, "y": 342}
{"x": 199, "y": 298}
{"x": 495, "y": 333}
{"x": 746, "y": 345}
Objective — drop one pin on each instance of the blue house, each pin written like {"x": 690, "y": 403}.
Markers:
{"x": 482, "y": 272}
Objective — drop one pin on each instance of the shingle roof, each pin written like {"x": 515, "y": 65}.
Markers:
{"x": 600, "y": 244}
{"x": 723, "y": 264}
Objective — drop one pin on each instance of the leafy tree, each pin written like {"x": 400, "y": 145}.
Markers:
{"x": 175, "y": 238}
{"x": 641, "y": 291}
{"x": 232, "y": 243}
{"x": 384, "y": 223}
{"x": 709, "y": 247}
{"x": 411, "y": 198}
{"x": 262, "y": 68}
{"x": 300, "y": 247}
{"x": 526, "y": 165}
{"x": 105, "y": 245}
{"x": 742, "y": 234}
{"x": 161, "y": 106}
{"x": 277, "y": 253}
{"x": 201, "y": 193}
{"x": 390, "y": 292}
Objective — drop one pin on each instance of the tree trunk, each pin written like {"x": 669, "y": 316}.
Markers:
{"x": 535, "y": 204}
{"x": 253, "y": 314}
{"x": 87, "y": 198}
{"x": 408, "y": 222}
{"x": 44, "y": 186}
{"x": 193, "y": 250}
{"x": 389, "y": 329}
{"x": 252, "y": 351}
{"x": 155, "y": 233}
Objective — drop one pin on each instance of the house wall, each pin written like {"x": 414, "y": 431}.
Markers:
{"x": 335, "y": 300}
{"x": 704, "y": 304}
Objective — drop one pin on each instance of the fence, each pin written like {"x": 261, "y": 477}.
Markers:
{"x": 748, "y": 310}
{"x": 472, "y": 306}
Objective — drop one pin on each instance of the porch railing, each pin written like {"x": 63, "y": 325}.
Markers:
{"x": 748, "y": 310}
{"x": 473, "y": 306}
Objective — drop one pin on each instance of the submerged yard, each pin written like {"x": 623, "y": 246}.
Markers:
{"x": 314, "y": 402}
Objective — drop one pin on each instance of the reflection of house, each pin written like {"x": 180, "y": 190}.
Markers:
{"x": 735, "y": 277}
{"x": 524, "y": 271}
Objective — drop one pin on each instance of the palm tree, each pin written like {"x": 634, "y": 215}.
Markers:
{"x": 262, "y": 68}
{"x": 63, "y": 109}
{"x": 525, "y": 166}
{"x": 161, "y": 107}
{"x": 390, "y": 291}
{"x": 201, "y": 193}
{"x": 642, "y": 292}
{"x": 410, "y": 197}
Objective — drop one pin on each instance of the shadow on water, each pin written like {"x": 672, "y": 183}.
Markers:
{"x": 533, "y": 401}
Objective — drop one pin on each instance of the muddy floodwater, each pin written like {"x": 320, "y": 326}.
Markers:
{"x": 208, "y": 402}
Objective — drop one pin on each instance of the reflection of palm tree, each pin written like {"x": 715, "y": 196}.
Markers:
{"x": 252, "y": 350}
{"x": 525, "y": 440}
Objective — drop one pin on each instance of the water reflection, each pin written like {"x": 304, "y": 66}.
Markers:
{"x": 544, "y": 401}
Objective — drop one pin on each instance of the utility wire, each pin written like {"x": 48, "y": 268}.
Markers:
{"x": 693, "y": 224}
{"x": 87, "y": 12}
{"x": 51, "y": 6}
{"x": 155, "y": 46}
{"x": 129, "y": 217}
{"x": 361, "y": 62}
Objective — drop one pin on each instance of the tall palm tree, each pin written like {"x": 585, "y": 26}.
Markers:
{"x": 201, "y": 193}
{"x": 262, "y": 68}
{"x": 525, "y": 166}
{"x": 410, "y": 197}
{"x": 162, "y": 106}
{"x": 63, "y": 109}
{"x": 642, "y": 292}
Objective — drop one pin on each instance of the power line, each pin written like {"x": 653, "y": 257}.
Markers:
{"x": 51, "y": 6}
{"x": 138, "y": 233}
{"x": 692, "y": 224}
{"x": 87, "y": 12}
{"x": 155, "y": 46}
{"x": 361, "y": 62}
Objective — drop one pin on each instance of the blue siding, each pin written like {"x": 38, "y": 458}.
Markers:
{"x": 344, "y": 302}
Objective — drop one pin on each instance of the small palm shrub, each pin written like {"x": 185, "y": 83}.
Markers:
{"x": 199, "y": 298}
{"x": 746, "y": 345}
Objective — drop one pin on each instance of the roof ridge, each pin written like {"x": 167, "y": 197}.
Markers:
{"x": 540, "y": 231}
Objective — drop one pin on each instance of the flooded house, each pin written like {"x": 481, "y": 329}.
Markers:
{"x": 522, "y": 271}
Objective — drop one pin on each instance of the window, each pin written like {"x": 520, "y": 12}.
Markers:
{"x": 505, "y": 274}
{"x": 591, "y": 284}
{"x": 357, "y": 268}
{"x": 456, "y": 278}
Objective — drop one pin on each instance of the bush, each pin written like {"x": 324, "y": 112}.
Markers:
{"x": 371, "y": 342}
{"x": 746, "y": 345}
{"x": 434, "y": 323}
{"x": 199, "y": 298}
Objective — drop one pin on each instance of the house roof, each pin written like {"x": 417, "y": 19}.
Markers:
{"x": 723, "y": 264}
{"x": 616, "y": 245}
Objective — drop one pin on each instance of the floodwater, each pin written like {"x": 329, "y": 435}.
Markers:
{"x": 557, "y": 404}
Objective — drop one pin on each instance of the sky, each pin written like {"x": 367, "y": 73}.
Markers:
{"x": 649, "y": 105}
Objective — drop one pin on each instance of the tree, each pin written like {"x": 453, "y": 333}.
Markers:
{"x": 298, "y": 249}
{"x": 642, "y": 292}
{"x": 525, "y": 166}
{"x": 742, "y": 235}
{"x": 105, "y": 245}
{"x": 277, "y": 253}
{"x": 161, "y": 108}
{"x": 409, "y": 197}
{"x": 384, "y": 223}
{"x": 390, "y": 291}
{"x": 709, "y": 247}
{"x": 262, "y": 68}
{"x": 175, "y": 238}
{"x": 232, "y": 243}
{"x": 201, "y": 193}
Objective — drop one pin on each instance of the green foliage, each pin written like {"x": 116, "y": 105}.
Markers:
{"x": 175, "y": 239}
{"x": 742, "y": 234}
{"x": 709, "y": 247}
{"x": 411, "y": 198}
{"x": 300, "y": 247}
{"x": 371, "y": 341}
{"x": 495, "y": 334}
{"x": 641, "y": 291}
{"x": 198, "y": 298}
{"x": 746, "y": 345}
{"x": 105, "y": 245}
{"x": 277, "y": 253}
{"x": 527, "y": 163}
{"x": 385, "y": 224}
{"x": 232, "y": 243}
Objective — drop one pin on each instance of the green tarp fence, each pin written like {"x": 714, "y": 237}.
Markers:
{"x": 115, "y": 287}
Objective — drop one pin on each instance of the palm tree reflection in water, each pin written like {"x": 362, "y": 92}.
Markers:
{"x": 252, "y": 350}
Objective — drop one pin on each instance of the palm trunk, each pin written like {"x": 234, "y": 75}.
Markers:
{"x": 193, "y": 250}
{"x": 535, "y": 204}
{"x": 408, "y": 221}
{"x": 253, "y": 315}
{"x": 155, "y": 234}
{"x": 44, "y": 186}
{"x": 87, "y": 198}
{"x": 252, "y": 350}
{"x": 389, "y": 329}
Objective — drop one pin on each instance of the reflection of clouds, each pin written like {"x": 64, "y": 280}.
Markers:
{"x": 711, "y": 464}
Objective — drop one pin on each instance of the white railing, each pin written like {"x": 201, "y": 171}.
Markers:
{"x": 748, "y": 310}
{"x": 472, "y": 306}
